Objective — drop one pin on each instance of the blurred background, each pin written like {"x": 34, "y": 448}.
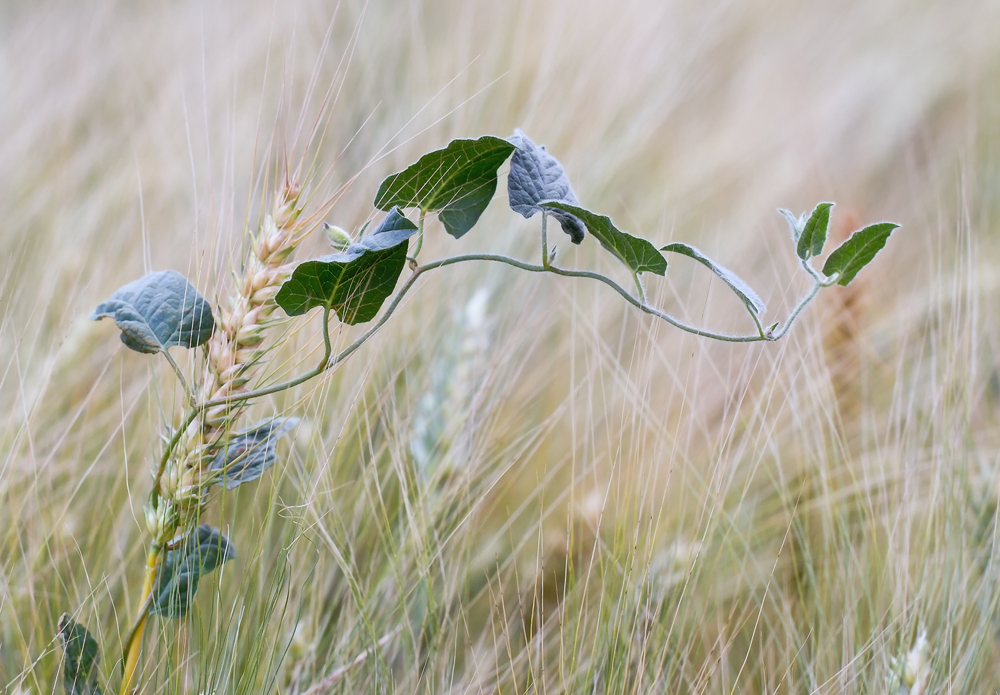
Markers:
{"x": 521, "y": 485}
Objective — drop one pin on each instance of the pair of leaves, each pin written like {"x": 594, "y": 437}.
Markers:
{"x": 639, "y": 255}
{"x": 248, "y": 454}
{"x": 81, "y": 656}
{"x": 457, "y": 182}
{"x": 849, "y": 258}
{"x": 158, "y": 311}
{"x": 204, "y": 550}
{"x": 809, "y": 234}
{"x": 538, "y": 183}
{"x": 355, "y": 282}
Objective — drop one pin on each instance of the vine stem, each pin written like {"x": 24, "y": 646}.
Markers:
{"x": 420, "y": 236}
{"x": 330, "y": 361}
{"x": 545, "y": 240}
{"x": 134, "y": 642}
{"x": 819, "y": 282}
{"x": 798, "y": 310}
{"x": 639, "y": 288}
{"x": 631, "y": 299}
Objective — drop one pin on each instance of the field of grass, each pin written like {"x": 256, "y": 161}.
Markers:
{"x": 521, "y": 485}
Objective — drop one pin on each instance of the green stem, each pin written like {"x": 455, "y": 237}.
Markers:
{"x": 420, "y": 237}
{"x": 638, "y": 285}
{"x": 808, "y": 297}
{"x": 642, "y": 306}
{"x": 545, "y": 240}
{"x": 329, "y": 361}
{"x": 823, "y": 280}
{"x": 197, "y": 408}
{"x": 756, "y": 320}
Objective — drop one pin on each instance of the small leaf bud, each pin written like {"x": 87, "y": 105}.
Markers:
{"x": 339, "y": 239}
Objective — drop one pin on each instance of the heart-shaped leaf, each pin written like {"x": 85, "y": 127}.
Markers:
{"x": 635, "y": 252}
{"x": 858, "y": 251}
{"x": 158, "y": 311}
{"x": 80, "y": 658}
{"x": 204, "y": 549}
{"x": 735, "y": 282}
{"x": 355, "y": 283}
{"x": 813, "y": 238}
{"x": 457, "y": 182}
{"x": 248, "y": 454}
{"x": 535, "y": 177}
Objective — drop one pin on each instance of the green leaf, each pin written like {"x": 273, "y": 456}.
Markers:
{"x": 635, "y": 252}
{"x": 858, "y": 251}
{"x": 203, "y": 550}
{"x": 735, "y": 282}
{"x": 813, "y": 237}
{"x": 457, "y": 182}
{"x": 535, "y": 177}
{"x": 248, "y": 454}
{"x": 158, "y": 311}
{"x": 356, "y": 282}
{"x": 81, "y": 656}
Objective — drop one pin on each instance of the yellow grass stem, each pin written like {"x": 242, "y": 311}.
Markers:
{"x": 134, "y": 647}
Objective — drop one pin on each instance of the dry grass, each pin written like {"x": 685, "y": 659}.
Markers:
{"x": 533, "y": 489}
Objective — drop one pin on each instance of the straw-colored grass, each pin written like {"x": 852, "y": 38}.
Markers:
{"x": 520, "y": 485}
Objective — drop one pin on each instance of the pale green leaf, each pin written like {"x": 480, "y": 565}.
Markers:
{"x": 535, "y": 177}
{"x": 204, "y": 550}
{"x": 735, "y": 282}
{"x": 81, "y": 656}
{"x": 794, "y": 223}
{"x": 248, "y": 454}
{"x": 158, "y": 311}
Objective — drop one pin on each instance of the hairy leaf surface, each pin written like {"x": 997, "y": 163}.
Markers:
{"x": 204, "y": 550}
{"x": 80, "y": 658}
{"x": 158, "y": 311}
{"x": 813, "y": 237}
{"x": 638, "y": 254}
{"x": 536, "y": 177}
{"x": 735, "y": 282}
{"x": 457, "y": 182}
{"x": 794, "y": 223}
{"x": 858, "y": 251}
{"x": 248, "y": 454}
{"x": 356, "y": 282}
